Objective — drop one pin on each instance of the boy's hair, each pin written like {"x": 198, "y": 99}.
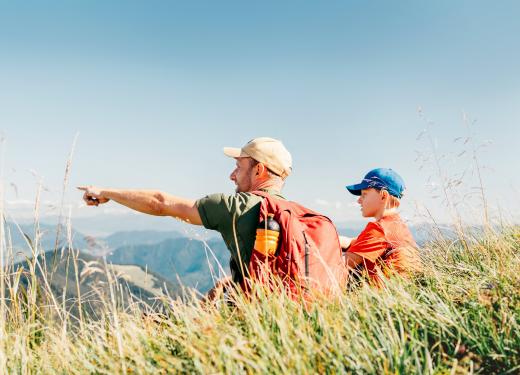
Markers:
{"x": 393, "y": 202}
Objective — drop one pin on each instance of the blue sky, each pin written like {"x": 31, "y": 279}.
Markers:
{"x": 156, "y": 89}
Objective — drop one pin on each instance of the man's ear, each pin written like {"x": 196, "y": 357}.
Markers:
{"x": 260, "y": 169}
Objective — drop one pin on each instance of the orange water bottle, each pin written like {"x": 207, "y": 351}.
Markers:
{"x": 267, "y": 234}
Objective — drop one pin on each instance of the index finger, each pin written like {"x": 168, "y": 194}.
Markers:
{"x": 84, "y": 188}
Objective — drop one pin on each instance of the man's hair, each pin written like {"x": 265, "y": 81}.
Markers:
{"x": 253, "y": 163}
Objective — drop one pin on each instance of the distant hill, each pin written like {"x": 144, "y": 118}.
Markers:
{"x": 186, "y": 259}
{"x": 144, "y": 285}
{"x": 142, "y": 237}
{"x": 100, "y": 246}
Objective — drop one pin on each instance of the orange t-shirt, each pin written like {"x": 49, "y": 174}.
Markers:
{"x": 386, "y": 245}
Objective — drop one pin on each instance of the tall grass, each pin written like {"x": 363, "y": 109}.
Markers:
{"x": 462, "y": 314}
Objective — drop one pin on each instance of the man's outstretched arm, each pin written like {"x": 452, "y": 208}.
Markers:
{"x": 150, "y": 202}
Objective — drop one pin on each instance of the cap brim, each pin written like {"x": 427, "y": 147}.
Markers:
{"x": 356, "y": 189}
{"x": 233, "y": 152}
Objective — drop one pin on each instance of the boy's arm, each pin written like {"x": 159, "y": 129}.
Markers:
{"x": 352, "y": 260}
{"x": 369, "y": 245}
{"x": 150, "y": 202}
{"x": 345, "y": 242}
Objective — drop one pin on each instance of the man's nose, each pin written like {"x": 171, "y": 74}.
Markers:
{"x": 232, "y": 175}
{"x": 359, "y": 200}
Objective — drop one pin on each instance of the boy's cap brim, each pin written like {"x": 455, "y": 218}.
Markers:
{"x": 356, "y": 188}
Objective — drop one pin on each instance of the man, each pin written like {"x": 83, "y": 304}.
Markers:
{"x": 262, "y": 164}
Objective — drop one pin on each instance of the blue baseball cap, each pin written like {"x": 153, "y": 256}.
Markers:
{"x": 380, "y": 178}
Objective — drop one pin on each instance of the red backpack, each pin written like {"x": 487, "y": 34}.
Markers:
{"x": 308, "y": 257}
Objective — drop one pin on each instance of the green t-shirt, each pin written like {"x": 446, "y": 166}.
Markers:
{"x": 223, "y": 212}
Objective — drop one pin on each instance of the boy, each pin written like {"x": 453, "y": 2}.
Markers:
{"x": 385, "y": 245}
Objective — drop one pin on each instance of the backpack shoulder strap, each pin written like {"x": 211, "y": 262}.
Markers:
{"x": 265, "y": 194}
{"x": 260, "y": 193}
{"x": 270, "y": 198}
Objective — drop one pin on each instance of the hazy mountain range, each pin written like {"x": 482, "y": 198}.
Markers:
{"x": 178, "y": 259}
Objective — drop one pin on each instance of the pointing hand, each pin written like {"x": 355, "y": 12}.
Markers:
{"x": 93, "y": 195}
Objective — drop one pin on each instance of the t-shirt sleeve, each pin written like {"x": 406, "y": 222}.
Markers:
{"x": 371, "y": 243}
{"x": 214, "y": 211}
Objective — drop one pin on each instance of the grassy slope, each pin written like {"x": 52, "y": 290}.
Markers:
{"x": 461, "y": 315}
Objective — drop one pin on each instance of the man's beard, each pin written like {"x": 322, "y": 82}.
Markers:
{"x": 239, "y": 190}
{"x": 245, "y": 188}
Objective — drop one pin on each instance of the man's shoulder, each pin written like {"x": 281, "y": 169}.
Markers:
{"x": 243, "y": 201}
{"x": 218, "y": 210}
{"x": 235, "y": 201}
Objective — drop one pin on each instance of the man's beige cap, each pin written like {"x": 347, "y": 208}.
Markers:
{"x": 268, "y": 151}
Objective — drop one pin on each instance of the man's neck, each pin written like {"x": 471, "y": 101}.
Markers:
{"x": 266, "y": 185}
